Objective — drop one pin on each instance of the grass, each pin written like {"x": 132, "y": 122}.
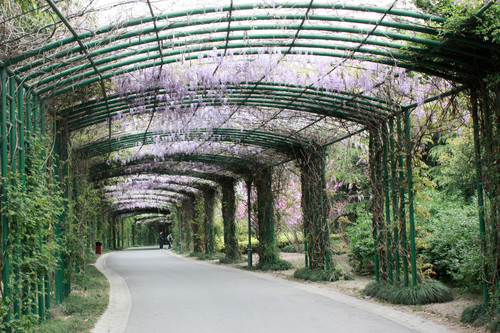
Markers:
{"x": 82, "y": 308}
{"x": 229, "y": 261}
{"x": 318, "y": 275}
{"x": 476, "y": 314}
{"x": 206, "y": 256}
{"x": 277, "y": 265}
{"x": 424, "y": 293}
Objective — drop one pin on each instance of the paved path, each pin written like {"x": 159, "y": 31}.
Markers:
{"x": 170, "y": 293}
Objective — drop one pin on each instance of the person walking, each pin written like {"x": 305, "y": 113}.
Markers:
{"x": 170, "y": 240}
{"x": 161, "y": 240}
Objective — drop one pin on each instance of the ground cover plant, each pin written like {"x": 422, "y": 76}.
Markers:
{"x": 80, "y": 311}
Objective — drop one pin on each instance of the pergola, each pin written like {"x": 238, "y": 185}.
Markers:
{"x": 176, "y": 104}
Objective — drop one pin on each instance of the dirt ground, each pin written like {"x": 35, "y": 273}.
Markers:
{"x": 445, "y": 314}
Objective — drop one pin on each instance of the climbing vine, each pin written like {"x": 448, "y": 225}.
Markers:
{"x": 35, "y": 202}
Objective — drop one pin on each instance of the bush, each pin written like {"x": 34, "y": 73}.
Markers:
{"x": 475, "y": 314}
{"x": 276, "y": 265}
{"x": 424, "y": 293}
{"x": 361, "y": 247}
{"x": 244, "y": 245}
{"x": 494, "y": 326}
{"x": 229, "y": 261}
{"x": 322, "y": 274}
{"x": 292, "y": 249}
{"x": 452, "y": 241}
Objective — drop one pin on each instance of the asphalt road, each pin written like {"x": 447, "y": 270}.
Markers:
{"x": 170, "y": 293}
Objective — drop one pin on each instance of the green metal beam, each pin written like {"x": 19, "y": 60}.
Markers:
{"x": 202, "y": 11}
{"x": 4, "y": 174}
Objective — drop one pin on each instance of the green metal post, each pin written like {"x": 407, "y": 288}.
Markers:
{"x": 306, "y": 255}
{"x": 373, "y": 173}
{"x": 36, "y": 116}
{"x": 45, "y": 280}
{"x": 28, "y": 108}
{"x": 402, "y": 213}
{"x": 13, "y": 123}
{"x": 211, "y": 205}
{"x": 59, "y": 272}
{"x": 410, "y": 199}
{"x": 323, "y": 208}
{"x": 480, "y": 198}
{"x": 133, "y": 226}
{"x": 179, "y": 218}
{"x": 122, "y": 234}
{"x": 249, "y": 220}
{"x": 4, "y": 174}
{"x": 387, "y": 205}
{"x": 21, "y": 163}
{"x": 12, "y": 157}
{"x": 394, "y": 199}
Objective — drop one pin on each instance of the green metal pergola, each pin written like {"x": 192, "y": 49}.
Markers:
{"x": 268, "y": 120}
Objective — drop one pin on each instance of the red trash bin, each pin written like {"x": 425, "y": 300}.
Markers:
{"x": 98, "y": 248}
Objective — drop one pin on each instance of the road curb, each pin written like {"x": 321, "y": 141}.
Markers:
{"x": 115, "y": 319}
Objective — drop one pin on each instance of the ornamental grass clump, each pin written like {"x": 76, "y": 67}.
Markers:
{"x": 475, "y": 314}
{"x": 424, "y": 293}
{"x": 322, "y": 274}
{"x": 276, "y": 265}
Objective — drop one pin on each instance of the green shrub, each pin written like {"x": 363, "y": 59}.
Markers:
{"x": 494, "y": 326}
{"x": 452, "y": 244}
{"x": 475, "y": 314}
{"x": 81, "y": 309}
{"x": 244, "y": 245}
{"x": 229, "y": 261}
{"x": 361, "y": 248}
{"x": 424, "y": 293}
{"x": 321, "y": 274}
{"x": 276, "y": 265}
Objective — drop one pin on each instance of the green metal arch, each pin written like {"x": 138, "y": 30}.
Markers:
{"x": 284, "y": 144}
{"x": 222, "y": 18}
{"x": 104, "y": 171}
{"x": 342, "y": 105}
{"x": 192, "y": 184}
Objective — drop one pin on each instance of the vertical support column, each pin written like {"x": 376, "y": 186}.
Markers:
{"x": 402, "y": 203}
{"x": 480, "y": 195}
{"x": 228, "y": 215}
{"x": 387, "y": 233}
{"x": 59, "y": 178}
{"x": 46, "y": 277}
{"x": 314, "y": 207}
{"x": 373, "y": 176}
{"x": 394, "y": 196}
{"x": 249, "y": 211}
{"x": 411, "y": 212}
{"x": 209, "y": 195}
{"x": 22, "y": 178}
{"x": 123, "y": 234}
{"x": 492, "y": 180}
{"x": 179, "y": 218}
{"x": 13, "y": 225}
{"x": 4, "y": 174}
{"x": 265, "y": 217}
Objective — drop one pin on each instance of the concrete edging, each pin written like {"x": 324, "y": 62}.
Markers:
{"x": 115, "y": 319}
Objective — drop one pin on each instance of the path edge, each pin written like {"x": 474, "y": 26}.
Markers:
{"x": 115, "y": 318}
